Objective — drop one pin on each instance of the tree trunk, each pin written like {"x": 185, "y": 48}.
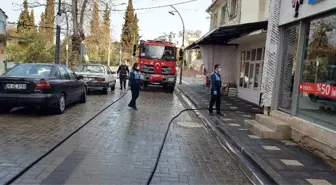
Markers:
{"x": 75, "y": 54}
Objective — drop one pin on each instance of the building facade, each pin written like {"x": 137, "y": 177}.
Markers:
{"x": 299, "y": 73}
{"x": 238, "y": 36}
{"x": 3, "y": 36}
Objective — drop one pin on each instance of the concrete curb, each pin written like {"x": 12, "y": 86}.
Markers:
{"x": 243, "y": 157}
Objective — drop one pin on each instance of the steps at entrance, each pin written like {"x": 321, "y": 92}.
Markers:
{"x": 273, "y": 123}
{"x": 259, "y": 130}
{"x": 267, "y": 127}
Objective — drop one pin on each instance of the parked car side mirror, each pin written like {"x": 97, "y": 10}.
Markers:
{"x": 80, "y": 77}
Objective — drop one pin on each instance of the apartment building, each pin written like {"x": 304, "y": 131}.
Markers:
{"x": 3, "y": 36}
{"x": 236, "y": 40}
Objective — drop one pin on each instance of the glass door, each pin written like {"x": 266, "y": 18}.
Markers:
{"x": 288, "y": 68}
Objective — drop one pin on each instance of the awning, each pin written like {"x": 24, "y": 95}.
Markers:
{"x": 224, "y": 34}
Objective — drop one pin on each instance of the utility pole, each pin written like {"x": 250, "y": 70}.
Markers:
{"x": 109, "y": 54}
{"x": 182, "y": 62}
{"x": 58, "y": 32}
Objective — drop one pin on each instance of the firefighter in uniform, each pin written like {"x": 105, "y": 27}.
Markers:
{"x": 134, "y": 85}
{"x": 123, "y": 72}
{"x": 216, "y": 86}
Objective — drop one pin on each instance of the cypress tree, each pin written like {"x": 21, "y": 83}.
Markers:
{"x": 50, "y": 20}
{"x": 42, "y": 23}
{"x": 127, "y": 36}
{"x": 94, "y": 44}
{"x": 32, "y": 20}
{"x": 24, "y": 19}
{"x": 95, "y": 24}
{"x": 107, "y": 22}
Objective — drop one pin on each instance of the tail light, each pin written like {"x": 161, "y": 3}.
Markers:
{"x": 100, "y": 79}
{"x": 42, "y": 84}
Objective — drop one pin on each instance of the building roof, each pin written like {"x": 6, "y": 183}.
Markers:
{"x": 224, "y": 34}
{"x": 3, "y": 13}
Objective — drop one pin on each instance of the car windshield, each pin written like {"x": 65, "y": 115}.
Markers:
{"x": 158, "y": 52}
{"x": 90, "y": 69}
{"x": 30, "y": 70}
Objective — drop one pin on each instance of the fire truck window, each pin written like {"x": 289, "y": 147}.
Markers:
{"x": 158, "y": 52}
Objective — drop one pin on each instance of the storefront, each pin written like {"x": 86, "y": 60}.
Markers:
{"x": 239, "y": 49}
{"x": 306, "y": 75}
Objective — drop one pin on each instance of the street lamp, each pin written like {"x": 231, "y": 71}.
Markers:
{"x": 58, "y": 33}
{"x": 172, "y": 13}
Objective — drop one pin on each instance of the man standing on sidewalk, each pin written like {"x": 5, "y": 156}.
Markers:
{"x": 216, "y": 86}
{"x": 123, "y": 72}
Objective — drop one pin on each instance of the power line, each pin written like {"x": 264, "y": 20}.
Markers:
{"x": 29, "y": 25}
{"x": 156, "y": 7}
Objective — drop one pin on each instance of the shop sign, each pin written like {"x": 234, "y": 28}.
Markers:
{"x": 320, "y": 89}
{"x": 296, "y": 5}
{"x": 311, "y": 2}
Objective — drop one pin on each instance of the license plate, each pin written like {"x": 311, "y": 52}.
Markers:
{"x": 88, "y": 79}
{"x": 15, "y": 86}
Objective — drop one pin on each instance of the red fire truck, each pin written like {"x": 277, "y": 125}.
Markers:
{"x": 157, "y": 63}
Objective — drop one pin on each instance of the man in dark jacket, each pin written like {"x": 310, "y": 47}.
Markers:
{"x": 216, "y": 86}
{"x": 123, "y": 72}
{"x": 134, "y": 85}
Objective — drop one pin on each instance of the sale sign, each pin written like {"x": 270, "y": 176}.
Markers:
{"x": 320, "y": 89}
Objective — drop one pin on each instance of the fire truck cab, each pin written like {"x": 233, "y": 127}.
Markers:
{"x": 157, "y": 63}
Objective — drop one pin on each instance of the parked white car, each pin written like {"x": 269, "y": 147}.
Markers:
{"x": 98, "y": 77}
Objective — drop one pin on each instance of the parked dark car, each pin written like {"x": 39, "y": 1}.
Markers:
{"x": 46, "y": 86}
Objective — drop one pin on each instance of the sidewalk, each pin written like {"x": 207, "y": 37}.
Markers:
{"x": 282, "y": 162}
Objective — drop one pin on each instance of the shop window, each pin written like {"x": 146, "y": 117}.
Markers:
{"x": 250, "y": 70}
{"x": 253, "y": 54}
{"x": 257, "y": 77}
{"x": 317, "y": 98}
{"x": 248, "y": 55}
{"x": 246, "y": 75}
{"x": 259, "y": 53}
{"x": 251, "y": 78}
{"x": 242, "y": 58}
{"x": 241, "y": 78}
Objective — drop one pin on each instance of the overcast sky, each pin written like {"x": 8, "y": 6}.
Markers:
{"x": 152, "y": 22}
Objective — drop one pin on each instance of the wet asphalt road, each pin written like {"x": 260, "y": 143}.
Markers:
{"x": 118, "y": 147}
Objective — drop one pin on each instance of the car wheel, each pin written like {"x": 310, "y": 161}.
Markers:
{"x": 60, "y": 105}
{"x": 105, "y": 90}
{"x": 83, "y": 96}
{"x": 171, "y": 89}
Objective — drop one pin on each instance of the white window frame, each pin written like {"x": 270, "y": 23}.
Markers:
{"x": 253, "y": 63}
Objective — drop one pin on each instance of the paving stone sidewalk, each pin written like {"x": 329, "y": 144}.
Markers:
{"x": 281, "y": 161}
